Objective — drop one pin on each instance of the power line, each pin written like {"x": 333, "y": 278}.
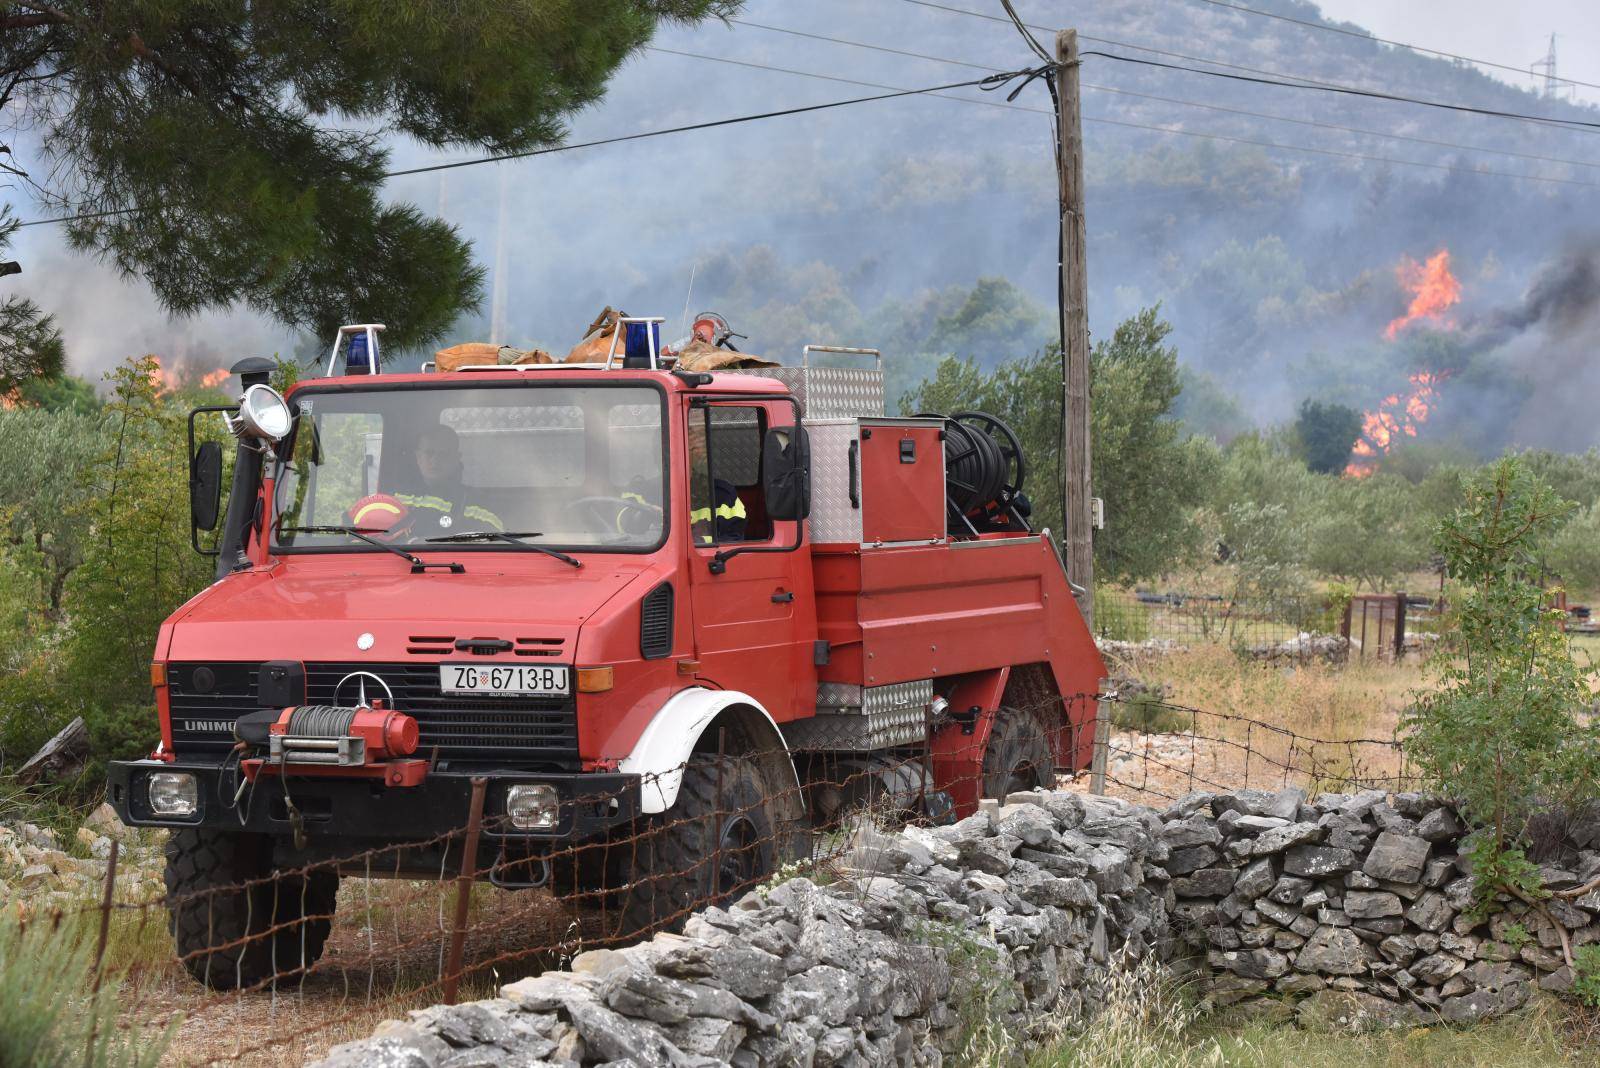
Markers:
{"x": 1383, "y": 40}
{"x": 1142, "y": 96}
{"x": 993, "y": 81}
{"x": 989, "y": 82}
{"x": 1305, "y": 80}
{"x": 858, "y": 44}
{"x": 835, "y": 78}
{"x": 1163, "y": 129}
{"x": 1578, "y": 125}
{"x": 1346, "y": 129}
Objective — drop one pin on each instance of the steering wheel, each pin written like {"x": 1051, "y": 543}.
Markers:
{"x": 608, "y": 512}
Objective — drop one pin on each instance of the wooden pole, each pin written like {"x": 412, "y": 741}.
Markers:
{"x": 469, "y": 870}
{"x": 1075, "y": 443}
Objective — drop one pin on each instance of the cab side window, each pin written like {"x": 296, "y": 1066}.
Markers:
{"x": 726, "y": 504}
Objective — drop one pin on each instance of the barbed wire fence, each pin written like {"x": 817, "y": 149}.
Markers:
{"x": 397, "y": 939}
{"x": 1293, "y": 627}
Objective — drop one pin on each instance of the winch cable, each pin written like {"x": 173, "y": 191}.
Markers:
{"x": 320, "y": 721}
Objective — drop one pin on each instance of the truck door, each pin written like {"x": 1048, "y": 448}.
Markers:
{"x": 755, "y": 622}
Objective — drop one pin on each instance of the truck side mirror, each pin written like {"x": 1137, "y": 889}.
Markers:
{"x": 205, "y": 485}
{"x": 786, "y": 472}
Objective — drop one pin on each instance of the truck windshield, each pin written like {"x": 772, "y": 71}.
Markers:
{"x": 575, "y": 467}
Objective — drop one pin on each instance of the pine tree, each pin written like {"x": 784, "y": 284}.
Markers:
{"x": 230, "y": 150}
{"x": 30, "y": 345}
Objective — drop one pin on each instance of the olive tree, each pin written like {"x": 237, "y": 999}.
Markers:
{"x": 1505, "y": 728}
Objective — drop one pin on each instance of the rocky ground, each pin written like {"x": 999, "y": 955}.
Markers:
{"x": 41, "y": 874}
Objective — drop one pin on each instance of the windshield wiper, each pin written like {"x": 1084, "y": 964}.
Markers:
{"x": 513, "y": 537}
{"x": 418, "y": 564}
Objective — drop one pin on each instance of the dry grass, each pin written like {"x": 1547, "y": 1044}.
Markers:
{"x": 385, "y": 957}
{"x": 1357, "y": 700}
{"x": 1231, "y": 724}
{"x": 1149, "y": 1021}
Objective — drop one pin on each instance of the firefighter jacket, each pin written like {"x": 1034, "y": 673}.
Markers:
{"x": 435, "y": 512}
{"x": 730, "y": 517}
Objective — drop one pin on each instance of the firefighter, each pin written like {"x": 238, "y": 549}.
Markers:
{"x": 721, "y": 520}
{"x": 441, "y": 504}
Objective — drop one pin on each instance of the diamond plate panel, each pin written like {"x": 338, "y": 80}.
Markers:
{"x": 833, "y": 517}
{"x": 856, "y": 733}
{"x": 827, "y": 392}
{"x": 863, "y": 718}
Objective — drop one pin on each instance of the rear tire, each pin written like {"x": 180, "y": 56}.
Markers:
{"x": 230, "y": 934}
{"x": 703, "y": 851}
{"x": 1019, "y": 755}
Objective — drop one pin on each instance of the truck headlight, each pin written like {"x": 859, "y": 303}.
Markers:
{"x": 533, "y": 807}
{"x": 174, "y": 794}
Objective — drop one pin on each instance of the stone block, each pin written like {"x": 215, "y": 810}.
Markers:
{"x": 1334, "y": 951}
{"x": 1398, "y": 858}
{"x": 1315, "y": 861}
{"x": 1371, "y": 904}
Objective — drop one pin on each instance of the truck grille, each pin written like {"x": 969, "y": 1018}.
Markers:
{"x": 505, "y": 730}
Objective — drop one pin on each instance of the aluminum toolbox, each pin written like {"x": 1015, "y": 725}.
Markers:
{"x": 859, "y": 495}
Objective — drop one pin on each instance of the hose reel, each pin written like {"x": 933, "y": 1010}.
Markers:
{"x": 984, "y": 475}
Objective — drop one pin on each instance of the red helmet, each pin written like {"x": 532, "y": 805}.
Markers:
{"x": 380, "y": 511}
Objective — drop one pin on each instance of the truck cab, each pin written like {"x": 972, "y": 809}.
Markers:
{"x": 577, "y": 605}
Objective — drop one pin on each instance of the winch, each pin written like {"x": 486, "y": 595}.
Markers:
{"x": 365, "y": 740}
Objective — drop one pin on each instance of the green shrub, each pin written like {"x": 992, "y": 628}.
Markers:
{"x": 1504, "y": 729}
{"x": 1146, "y": 714}
{"x": 137, "y": 568}
{"x": 1586, "y": 975}
{"x": 49, "y": 1015}
{"x": 1119, "y": 617}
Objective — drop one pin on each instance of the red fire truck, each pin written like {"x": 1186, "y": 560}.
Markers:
{"x": 643, "y": 603}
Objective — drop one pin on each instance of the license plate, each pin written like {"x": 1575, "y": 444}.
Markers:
{"x": 543, "y": 680}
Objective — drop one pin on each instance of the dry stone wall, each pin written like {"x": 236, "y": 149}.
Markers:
{"x": 1361, "y": 901}
{"x": 1008, "y": 919}
{"x": 1349, "y": 911}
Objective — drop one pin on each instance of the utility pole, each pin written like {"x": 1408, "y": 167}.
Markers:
{"x": 1075, "y": 324}
{"x": 502, "y": 254}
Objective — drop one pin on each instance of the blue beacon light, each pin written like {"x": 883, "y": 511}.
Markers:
{"x": 640, "y": 340}
{"x": 357, "y": 359}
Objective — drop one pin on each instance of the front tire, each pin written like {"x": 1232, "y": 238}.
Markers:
{"x": 718, "y": 840}
{"x": 234, "y": 923}
{"x": 1019, "y": 756}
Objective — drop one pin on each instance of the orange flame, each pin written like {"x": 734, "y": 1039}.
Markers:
{"x": 10, "y": 399}
{"x": 162, "y": 380}
{"x": 166, "y": 381}
{"x": 1433, "y": 291}
{"x": 1394, "y": 417}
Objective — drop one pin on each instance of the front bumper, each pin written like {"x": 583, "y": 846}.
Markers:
{"x": 331, "y": 808}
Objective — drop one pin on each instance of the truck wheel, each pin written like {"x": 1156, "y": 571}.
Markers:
{"x": 230, "y": 934}
{"x": 1018, "y": 756}
{"x": 702, "y": 851}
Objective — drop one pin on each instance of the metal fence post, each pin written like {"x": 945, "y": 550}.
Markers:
{"x": 469, "y": 865}
{"x": 1102, "y": 743}
{"x": 105, "y": 912}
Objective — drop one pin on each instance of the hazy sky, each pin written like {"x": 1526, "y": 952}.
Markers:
{"x": 106, "y": 318}
{"x": 1515, "y": 34}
